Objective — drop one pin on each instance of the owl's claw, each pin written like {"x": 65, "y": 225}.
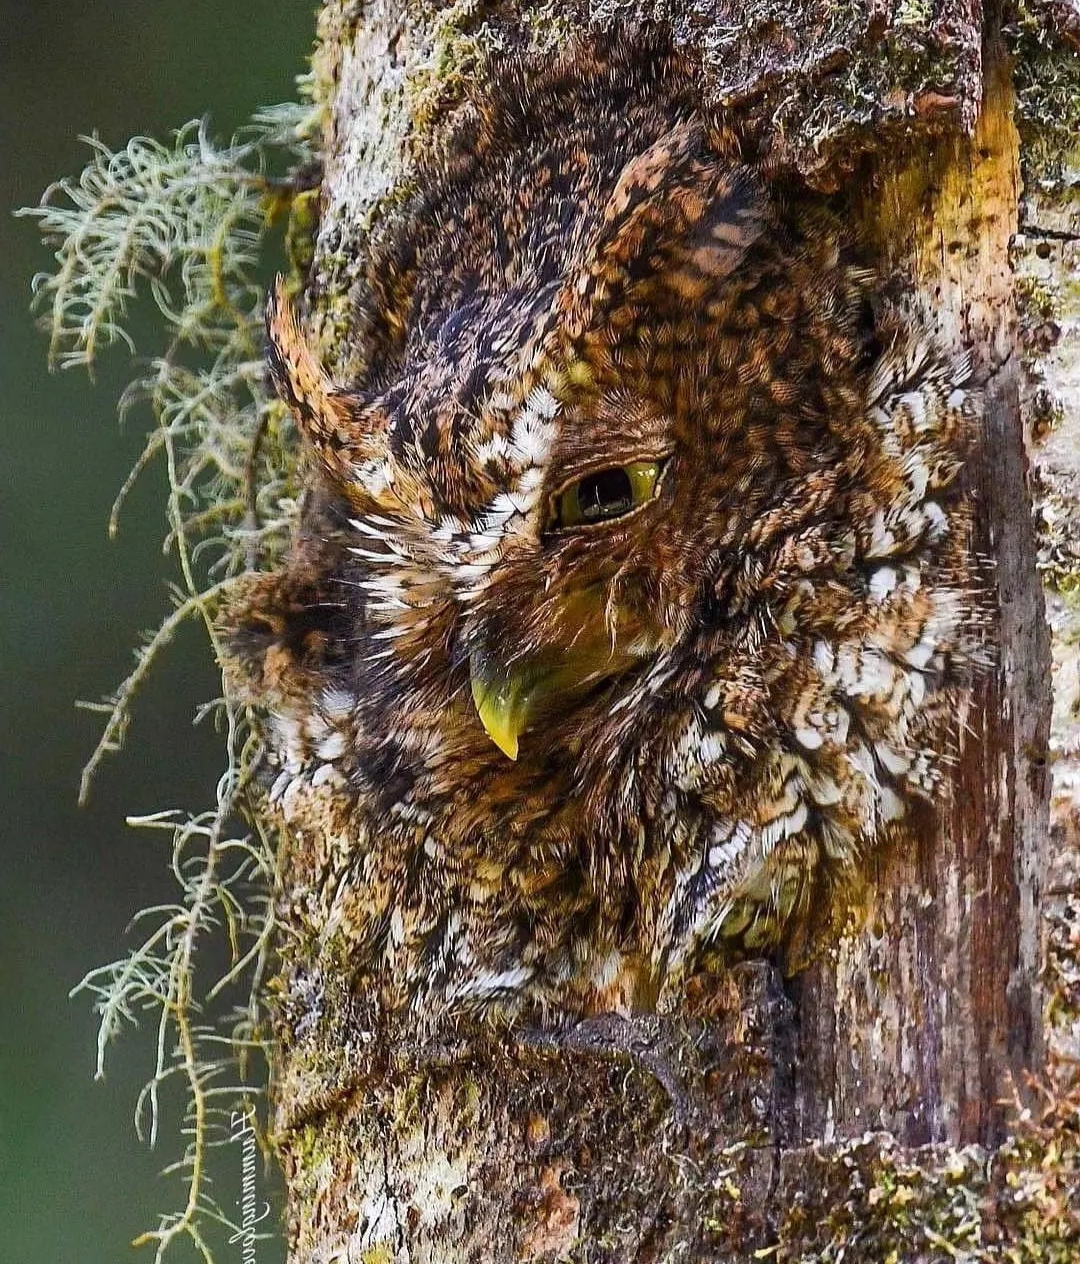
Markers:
{"x": 612, "y": 1035}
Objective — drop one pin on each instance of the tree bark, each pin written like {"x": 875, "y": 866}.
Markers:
{"x": 920, "y": 1027}
{"x": 704, "y": 1143}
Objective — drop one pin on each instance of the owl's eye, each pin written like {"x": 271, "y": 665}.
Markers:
{"x": 605, "y": 494}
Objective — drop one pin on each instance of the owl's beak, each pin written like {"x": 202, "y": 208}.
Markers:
{"x": 530, "y": 690}
{"x": 501, "y": 696}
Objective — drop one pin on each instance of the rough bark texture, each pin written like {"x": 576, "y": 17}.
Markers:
{"x": 920, "y": 1022}
{"x": 918, "y": 1026}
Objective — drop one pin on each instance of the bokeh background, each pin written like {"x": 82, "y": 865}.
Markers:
{"x": 75, "y": 1184}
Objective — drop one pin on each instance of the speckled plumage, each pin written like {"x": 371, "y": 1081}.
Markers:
{"x": 743, "y": 680}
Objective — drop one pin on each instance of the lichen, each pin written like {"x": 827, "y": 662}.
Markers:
{"x": 1046, "y": 73}
{"x": 187, "y": 223}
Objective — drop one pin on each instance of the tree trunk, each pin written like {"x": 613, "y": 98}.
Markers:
{"x": 918, "y": 1025}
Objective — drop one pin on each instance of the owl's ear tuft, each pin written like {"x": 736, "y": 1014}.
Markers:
{"x": 679, "y": 221}
{"x": 346, "y": 429}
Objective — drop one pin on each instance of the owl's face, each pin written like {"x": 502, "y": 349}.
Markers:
{"x": 570, "y": 563}
{"x": 540, "y": 488}
{"x": 540, "y": 553}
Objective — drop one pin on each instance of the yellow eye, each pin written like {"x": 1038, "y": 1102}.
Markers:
{"x": 605, "y": 494}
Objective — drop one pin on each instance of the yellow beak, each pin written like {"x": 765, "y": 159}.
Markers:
{"x": 532, "y": 690}
{"x": 501, "y": 697}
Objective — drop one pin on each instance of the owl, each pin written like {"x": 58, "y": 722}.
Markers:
{"x": 630, "y": 602}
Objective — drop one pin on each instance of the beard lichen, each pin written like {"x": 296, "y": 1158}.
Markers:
{"x": 189, "y": 224}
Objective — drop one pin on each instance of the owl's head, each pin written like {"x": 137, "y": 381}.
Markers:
{"x": 636, "y": 492}
{"x": 575, "y": 425}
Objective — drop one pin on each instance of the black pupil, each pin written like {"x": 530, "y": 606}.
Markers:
{"x": 605, "y": 495}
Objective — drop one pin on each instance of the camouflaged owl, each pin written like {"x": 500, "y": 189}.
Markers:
{"x": 631, "y": 597}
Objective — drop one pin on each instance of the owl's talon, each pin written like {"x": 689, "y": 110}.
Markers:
{"x": 612, "y": 1035}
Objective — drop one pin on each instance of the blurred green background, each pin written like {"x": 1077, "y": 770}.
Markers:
{"x": 75, "y": 1184}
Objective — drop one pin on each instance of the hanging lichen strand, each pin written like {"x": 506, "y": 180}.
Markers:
{"x": 186, "y": 224}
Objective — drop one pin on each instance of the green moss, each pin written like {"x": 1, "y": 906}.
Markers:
{"x": 460, "y": 38}
{"x": 549, "y": 26}
{"x": 872, "y": 1201}
{"x": 1046, "y": 74}
{"x": 875, "y": 1202}
{"x": 914, "y": 13}
{"x": 300, "y": 233}
{"x": 465, "y": 34}
{"x": 1037, "y": 298}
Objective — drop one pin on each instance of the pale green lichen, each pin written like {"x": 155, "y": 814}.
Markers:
{"x": 187, "y": 223}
